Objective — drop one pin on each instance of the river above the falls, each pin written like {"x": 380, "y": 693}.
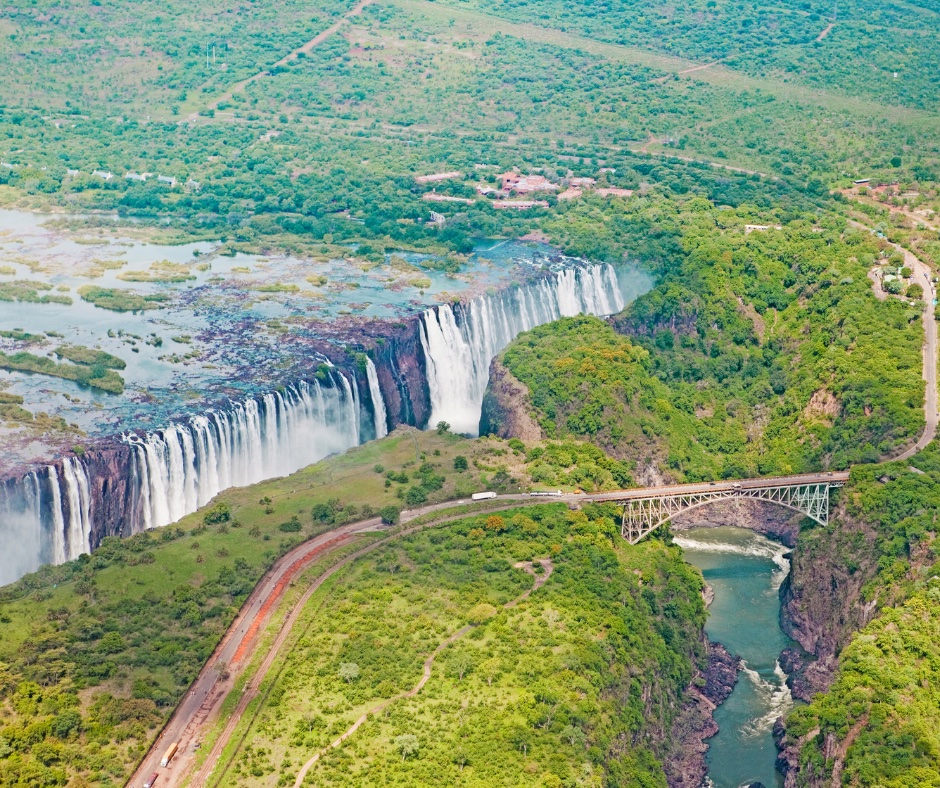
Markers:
{"x": 745, "y": 569}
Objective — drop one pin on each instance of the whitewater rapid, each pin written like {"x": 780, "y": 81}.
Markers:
{"x": 745, "y": 570}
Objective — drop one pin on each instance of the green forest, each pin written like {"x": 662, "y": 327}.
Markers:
{"x": 761, "y": 353}
{"x": 578, "y": 684}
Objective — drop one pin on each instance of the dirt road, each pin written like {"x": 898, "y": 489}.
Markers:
{"x": 923, "y": 275}
{"x": 313, "y": 42}
{"x": 233, "y": 652}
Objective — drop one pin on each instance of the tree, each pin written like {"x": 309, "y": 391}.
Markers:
{"x": 389, "y": 514}
{"x": 349, "y": 672}
{"x": 443, "y": 428}
{"x": 490, "y": 669}
{"x": 520, "y": 738}
{"x": 574, "y": 736}
{"x": 460, "y": 463}
{"x": 480, "y": 613}
{"x": 461, "y": 664}
{"x": 220, "y": 513}
{"x": 407, "y": 745}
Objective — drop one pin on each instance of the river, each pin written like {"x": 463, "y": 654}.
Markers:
{"x": 745, "y": 570}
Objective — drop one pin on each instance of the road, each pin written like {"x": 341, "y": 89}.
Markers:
{"x": 315, "y": 41}
{"x": 232, "y": 654}
{"x": 922, "y": 275}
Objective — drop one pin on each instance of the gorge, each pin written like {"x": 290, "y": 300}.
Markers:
{"x": 144, "y": 479}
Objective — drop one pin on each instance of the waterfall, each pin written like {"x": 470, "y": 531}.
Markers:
{"x": 378, "y": 404}
{"x": 460, "y": 342}
{"x": 184, "y": 466}
{"x": 45, "y": 517}
{"x": 78, "y": 492}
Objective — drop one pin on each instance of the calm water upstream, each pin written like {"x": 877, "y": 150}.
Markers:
{"x": 745, "y": 569}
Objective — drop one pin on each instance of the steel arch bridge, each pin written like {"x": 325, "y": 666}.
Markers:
{"x": 645, "y": 510}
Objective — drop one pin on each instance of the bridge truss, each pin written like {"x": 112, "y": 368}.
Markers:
{"x": 641, "y": 515}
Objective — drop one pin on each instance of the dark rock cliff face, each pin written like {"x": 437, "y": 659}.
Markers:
{"x": 400, "y": 368}
{"x": 506, "y": 410}
{"x": 685, "y": 761}
{"x": 113, "y": 479}
{"x": 821, "y": 599}
{"x": 822, "y": 606}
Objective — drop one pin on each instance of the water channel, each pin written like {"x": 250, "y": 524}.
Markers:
{"x": 745, "y": 570}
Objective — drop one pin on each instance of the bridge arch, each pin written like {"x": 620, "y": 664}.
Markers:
{"x": 645, "y": 512}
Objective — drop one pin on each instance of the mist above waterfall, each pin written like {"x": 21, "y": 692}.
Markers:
{"x": 184, "y": 466}
{"x": 56, "y": 513}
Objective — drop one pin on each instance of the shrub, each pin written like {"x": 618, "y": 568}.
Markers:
{"x": 220, "y": 513}
{"x": 389, "y": 515}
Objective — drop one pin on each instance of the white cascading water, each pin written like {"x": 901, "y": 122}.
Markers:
{"x": 47, "y": 516}
{"x": 184, "y": 466}
{"x": 78, "y": 492}
{"x": 378, "y": 403}
{"x": 459, "y": 345}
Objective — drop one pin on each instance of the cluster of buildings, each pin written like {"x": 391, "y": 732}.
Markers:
{"x": 140, "y": 177}
{"x": 512, "y": 185}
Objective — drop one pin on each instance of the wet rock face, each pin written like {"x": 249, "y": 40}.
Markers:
{"x": 112, "y": 478}
{"x": 821, "y": 598}
{"x": 400, "y": 368}
{"x": 685, "y": 761}
{"x": 506, "y": 410}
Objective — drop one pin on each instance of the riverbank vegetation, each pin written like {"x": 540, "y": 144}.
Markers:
{"x": 96, "y": 374}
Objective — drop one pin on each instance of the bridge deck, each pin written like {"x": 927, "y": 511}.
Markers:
{"x": 834, "y": 478}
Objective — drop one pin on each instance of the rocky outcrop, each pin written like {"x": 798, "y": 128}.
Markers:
{"x": 685, "y": 761}
{"x": 506, "y": 409}
{"x": 822, "y": 604}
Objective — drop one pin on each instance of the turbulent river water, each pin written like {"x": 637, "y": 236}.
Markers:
{"x": 745, "y": 570}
